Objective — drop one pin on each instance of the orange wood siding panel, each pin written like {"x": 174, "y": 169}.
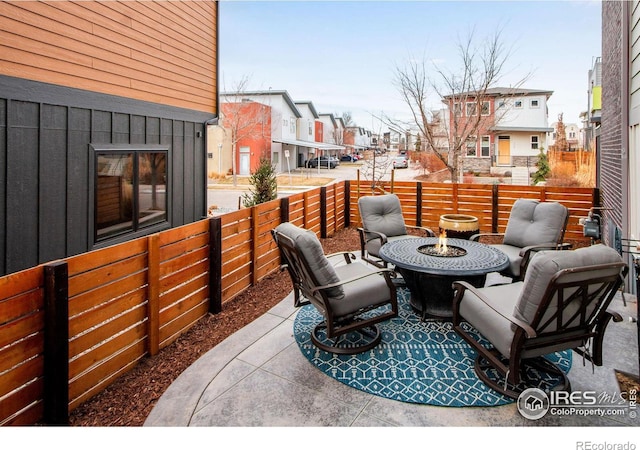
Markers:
{"x": 161, "y": 52}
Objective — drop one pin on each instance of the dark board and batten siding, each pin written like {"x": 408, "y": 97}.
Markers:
{"x": 46, "y": 199}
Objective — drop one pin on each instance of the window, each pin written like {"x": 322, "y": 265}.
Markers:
{"x": 501, "y": 104}
{"x": 471, "y": 109}
{"x": 471, "y": 148}
{"x": 292, "y": 125}
{"x": 534, "y": 103}
{"x": 130, "y": 188}
{"x": 457, "y": 109}
{"x": 572, "y": 134}
{"x": 485, "y": 144}
{"x": 534, "y": 142}
{"x": 485, "y": 109}
{"x": 517, "y": 104}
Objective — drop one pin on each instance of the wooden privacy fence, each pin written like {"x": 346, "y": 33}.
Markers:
{"x": 424, "y": 203}
{"x": 69, "y": 328}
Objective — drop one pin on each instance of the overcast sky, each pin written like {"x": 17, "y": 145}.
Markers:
{"x": 341, "y": 55}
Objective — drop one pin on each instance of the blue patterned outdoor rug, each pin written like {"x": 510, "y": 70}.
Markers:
{"x": 416, "y": 362}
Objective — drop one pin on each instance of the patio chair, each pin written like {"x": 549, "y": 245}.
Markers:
{"x": 533, "y": 226}
{"x": 560, "y": 305}
{"x": 382, "y": 222}
{"x": 352, "y": 297}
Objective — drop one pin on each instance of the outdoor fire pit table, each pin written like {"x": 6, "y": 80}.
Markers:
{"x": 429, "y": 270}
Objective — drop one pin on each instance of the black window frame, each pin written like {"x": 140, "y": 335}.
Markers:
{"x": 137, "y": 230}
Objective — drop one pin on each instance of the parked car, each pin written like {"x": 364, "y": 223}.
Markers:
{"x": 400, "y": 162}
{"x": 350, "y": 158}
{"x": 325, "y": 161}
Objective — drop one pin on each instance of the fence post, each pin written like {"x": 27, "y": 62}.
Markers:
{"x": 347, "y": 204}
{"x": 153, "y": 305}
{"x": 494, "y": 208}
{"x": 215, "y": 265}
{"x": 323, "y": 211}
{"x": 56, "y": 343}
{"x": 419, "y": 204}
{"x": 254, "y": 245}
{"x": 284, "y": 209}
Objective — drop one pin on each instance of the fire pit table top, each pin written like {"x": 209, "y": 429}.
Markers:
{"x": 479, "y": 258}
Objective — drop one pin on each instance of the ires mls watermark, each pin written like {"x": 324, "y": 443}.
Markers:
{"x": 534, "y": 404}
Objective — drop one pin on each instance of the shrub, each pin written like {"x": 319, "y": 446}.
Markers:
{"x": 264, "y": 185}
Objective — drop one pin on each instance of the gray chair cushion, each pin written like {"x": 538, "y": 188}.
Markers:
{"x": 309, "y": 246}
{"x": 545, "y": 264}
{"x": 513, "y": 253}
{"x": 532, "y": 222}
{"x": 382, "y": 213}
{"x": 488, "y": 322}
{"x": 361, "y": 293}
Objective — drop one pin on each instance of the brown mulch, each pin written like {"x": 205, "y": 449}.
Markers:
{"x": 129, "y": 400}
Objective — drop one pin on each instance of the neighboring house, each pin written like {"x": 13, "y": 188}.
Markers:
{"x": 593, "y": 116}
{"x": 327, "y": 129}
{"x": 618, "y": 177}
{"x": 572, "y": 134}
{"x": 248, "y": 126}
{"x": 396, "y": 140}
{"x": 103, "y": 108}
{"x": 513, "y": 126}
{"x": 288, "y": 151}
{"x": 357, "y": 138}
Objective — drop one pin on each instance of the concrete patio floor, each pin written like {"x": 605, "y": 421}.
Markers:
{"x": 259, "y": 378}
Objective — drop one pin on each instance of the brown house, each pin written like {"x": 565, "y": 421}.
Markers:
{"x": 103, "y": 108}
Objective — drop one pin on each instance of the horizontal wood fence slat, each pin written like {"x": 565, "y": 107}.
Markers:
{"x": 126, "y": 302}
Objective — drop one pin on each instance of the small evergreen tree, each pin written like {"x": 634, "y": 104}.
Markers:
{"x": 543, "y": 167}
{"x": 264, "y": 185}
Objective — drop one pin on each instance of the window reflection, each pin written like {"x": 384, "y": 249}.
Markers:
{"x": 131, "y": 191}
{"x": 114, "y": 205}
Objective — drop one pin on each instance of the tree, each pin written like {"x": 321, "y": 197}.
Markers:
{"x": 264, "y": 185}
{"x": 243, "y": 119}
{"x": 466, "y": 91}
{"x": 543, "y": 167}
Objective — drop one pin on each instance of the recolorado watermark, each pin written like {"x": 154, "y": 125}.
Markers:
{"x": 535, "y": 403}
{"x": 590, "y": 445}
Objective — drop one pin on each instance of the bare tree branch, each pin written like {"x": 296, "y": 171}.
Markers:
{"x": 465, "y": 91}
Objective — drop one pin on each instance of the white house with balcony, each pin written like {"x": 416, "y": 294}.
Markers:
{"x": 521, "y": 126}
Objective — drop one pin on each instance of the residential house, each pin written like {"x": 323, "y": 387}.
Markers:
{"x": 248, "y": 127}
{"x": 288, "y": 149}
{"x": 572, "y": 134}
{"x": 513, "y": 127}
{"x": 395, "y": 139}
{"x": 593, "y": 115}
{"x": 619, "y": 152}
{"x": 357, "y": 138}
{"x": 103, "y": 108}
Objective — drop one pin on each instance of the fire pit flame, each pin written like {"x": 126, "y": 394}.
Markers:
{"x": 442, "y": 248}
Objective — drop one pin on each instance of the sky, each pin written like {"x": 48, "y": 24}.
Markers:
{"x": 343, "y": 55}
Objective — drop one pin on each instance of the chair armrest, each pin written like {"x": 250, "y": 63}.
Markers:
{"x": 476, "y": 237}
{"x": 348, "y": 256}
{"x": 428, "y": 231}
{"x": 527, "y": 252}
{"x": 461, "y": 286}
{"x": 387, "y": 273}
